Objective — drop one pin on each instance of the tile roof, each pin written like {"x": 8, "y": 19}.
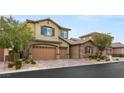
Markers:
{"x": 117, "y": 45}
{"x": 74, "y": 39}
{"x": 36, "y": 21}
{"x": 79, "y": 41}
{"x": 89, "y": 34}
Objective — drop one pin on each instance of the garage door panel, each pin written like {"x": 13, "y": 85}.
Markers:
{"x": 49, "y": 53}
{"x": 43, "y": 53}
{"x": 63, "y": 53}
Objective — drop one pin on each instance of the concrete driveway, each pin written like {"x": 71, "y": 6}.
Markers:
{"x": 48, "y": 64}
{"x": 1, "y": 67}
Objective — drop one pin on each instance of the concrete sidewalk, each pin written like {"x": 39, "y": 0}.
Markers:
{"x": 66, "y": 63}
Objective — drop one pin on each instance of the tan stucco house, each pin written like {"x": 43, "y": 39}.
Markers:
{"x": 116, "y": 49}
{"x": 51, "y": 42}
{"x": 82, "y": 47}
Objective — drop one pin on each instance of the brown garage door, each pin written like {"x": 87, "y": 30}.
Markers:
{"x": 43, "y": 53}
{"x": 63, "y": 53}
{"x": 1, "y": 54}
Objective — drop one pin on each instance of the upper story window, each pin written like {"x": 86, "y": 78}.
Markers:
{"x": 47, "y": 31}
{"x": 64, "y": 34}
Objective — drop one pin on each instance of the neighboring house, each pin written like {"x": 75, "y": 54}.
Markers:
{"x": 49, "y": 40}
{"x": 82, "y": 47}
{"x": 87, "y": 36}
{"x": 116, "y": 49}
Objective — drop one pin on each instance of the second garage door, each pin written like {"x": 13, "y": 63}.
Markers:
{"x": 63, "y": 53}
{"x": 43, "y": 53}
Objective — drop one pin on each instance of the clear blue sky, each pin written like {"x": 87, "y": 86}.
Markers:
{"x": 81, "y": 25}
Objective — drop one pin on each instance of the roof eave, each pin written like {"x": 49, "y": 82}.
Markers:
{"x": 32, "y": 21}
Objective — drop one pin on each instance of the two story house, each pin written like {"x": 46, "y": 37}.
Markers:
{"x": 49, "y": 43}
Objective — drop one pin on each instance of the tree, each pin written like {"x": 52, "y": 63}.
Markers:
{"x": 15, "y": 35}
{"x": 102, "y": 41}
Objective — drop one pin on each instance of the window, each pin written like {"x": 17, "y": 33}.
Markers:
{"x": 88, "y": 50}
{"x": 64, "y": 34}
{"x": 48, "y": 31}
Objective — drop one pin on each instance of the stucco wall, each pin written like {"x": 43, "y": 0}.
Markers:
{"x": 37, "y": 30}
{"x": 63, "y": 43}
{"x": 78, "y": 51}
{"x": 86, "y": 38}
{"x": 74, "y": 52}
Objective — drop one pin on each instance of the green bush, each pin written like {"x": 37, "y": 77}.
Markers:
{"x": 32, "y": 61}
{"x": 18, "y": 64}
{"x": 107, "y": 59}
{"x": 103, "y": 57}
{"x": 14, "y": 56}
{"x": 10, "y": 65}
{"x": 98, "y": 59}
{"x": 27, "y": 61}
{"x": 90, "y": 58}
{"x": 93, "y": 56}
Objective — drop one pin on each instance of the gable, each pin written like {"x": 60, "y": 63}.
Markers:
{"x": 49, "y": 20}
{"x": 49, "y": 24}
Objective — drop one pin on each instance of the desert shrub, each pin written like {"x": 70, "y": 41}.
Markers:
{"x": 107, "y": 59}
{"x": 103, "y": 57}
{"x": 32, "y": 61}
{"x": 98, "y": 59}
{"x": 10, "y": 65}
{"x": 27, "y": 61}
{"x": 19, "y": 64}
{"x": 14, "y": 56}
{"x": 93, "y": 57}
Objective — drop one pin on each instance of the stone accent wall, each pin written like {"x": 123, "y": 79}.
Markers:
{"x": 82, "y": 49}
